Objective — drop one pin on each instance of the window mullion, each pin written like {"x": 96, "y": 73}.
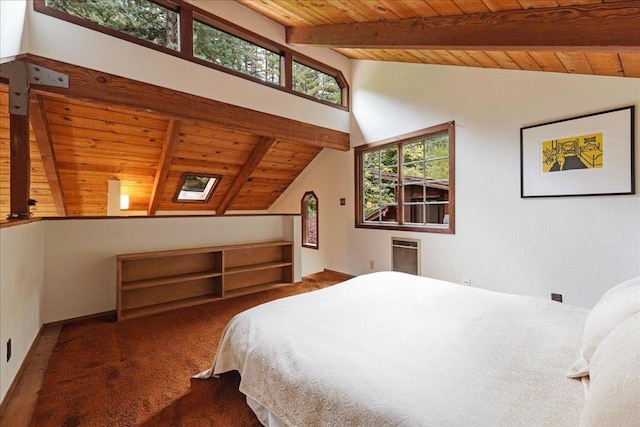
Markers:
{"x": 186, "y": 30}
{"x": 287, "y": 70}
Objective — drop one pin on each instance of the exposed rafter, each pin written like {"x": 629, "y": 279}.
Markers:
{"x": 92, "y": 85}
{"x": 169, "y": 146}
{"x": 605, "y": 27}
{"x": 262, "y": 148}
{"x": 45, "y": 145}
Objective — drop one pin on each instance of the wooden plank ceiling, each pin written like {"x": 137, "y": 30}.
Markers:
{"x": 79, "y": 144}
{"x": 598, "y": 37}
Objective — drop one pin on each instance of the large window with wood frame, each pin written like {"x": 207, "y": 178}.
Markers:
{"x": 179, "y": 28}
{"x": 408, "y": 184}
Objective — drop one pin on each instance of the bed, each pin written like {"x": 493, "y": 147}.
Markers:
{"x": 392, "y": 349}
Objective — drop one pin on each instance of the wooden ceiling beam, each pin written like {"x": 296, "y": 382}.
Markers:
{"x": 262, "y": 148}
{"x": 45, "y": 145}
{"x": 95, "y": 86}
{"x": 606, "y": 27}
{"x": 168, "y": 148}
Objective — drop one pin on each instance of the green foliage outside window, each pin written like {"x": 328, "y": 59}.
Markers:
{"x": 139, "y": 18}
{"x": 315, "y": 83}
{"x": 147, "y": 20}
{"x": 232, "y": 52}
{"x": 427, "y": 159}
{"x": 423, "y": 162}
{"x": 380, "y": 171}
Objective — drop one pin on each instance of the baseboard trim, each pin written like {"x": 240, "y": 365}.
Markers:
{"x": 21, "y": 369}
{"x": 105, "y": 315}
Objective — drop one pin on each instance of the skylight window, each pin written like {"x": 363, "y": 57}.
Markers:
{"x": 196, "y": 188}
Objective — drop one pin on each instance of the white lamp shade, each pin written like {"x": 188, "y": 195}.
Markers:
{"x": 124, "y": 201}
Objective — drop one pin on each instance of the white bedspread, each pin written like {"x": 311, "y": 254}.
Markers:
{"x": 390, "y": 349}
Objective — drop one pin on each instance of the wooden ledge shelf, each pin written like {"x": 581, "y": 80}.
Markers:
{"x": 254, "y": 267}
{"x": 154, "y": 282}
{"x": 140, "y": 284}
{"x": 253, "y": 289}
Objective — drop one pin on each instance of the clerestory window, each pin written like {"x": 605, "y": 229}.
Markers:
{"x": 315, "y": 83}
{"x": 408, "y": 184}
{"x": 229, "y": 51}
{"x": 181, "y": 29}
{"x": 142, "y": 19}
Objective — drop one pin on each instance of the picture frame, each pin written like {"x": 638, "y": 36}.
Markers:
{"x": 588, "y": 155}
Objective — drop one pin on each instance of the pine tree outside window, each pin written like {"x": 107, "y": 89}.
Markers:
{"x": 315, "y": 83}
{"x": 229, "y": 51}
{"x": 142, "y": 19}
{"x": 181, "y": 29}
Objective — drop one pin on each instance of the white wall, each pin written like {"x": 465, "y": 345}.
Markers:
{"x": 326, "y": 176}
{"x": 577, "y": 246}
{"x": 15, "y": 34}
{"x": 79, "y": 255}
{"x": 57, "y": 39}
{"x": 21, "y": 288}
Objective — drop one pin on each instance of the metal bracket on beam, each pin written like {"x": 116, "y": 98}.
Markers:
{"x": 21, "y": 75}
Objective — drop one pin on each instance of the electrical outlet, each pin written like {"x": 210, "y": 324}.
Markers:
{"x": 371, "y": 265}
{"x": 556, "y": 297}
{"x": 343, "y": 201}
{"x": 466, "y": 281}
{"x": 9, "y": 349}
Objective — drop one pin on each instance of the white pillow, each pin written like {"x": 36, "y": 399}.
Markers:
{"x": 614, "y": 307}
{"x": 614, "y": 388}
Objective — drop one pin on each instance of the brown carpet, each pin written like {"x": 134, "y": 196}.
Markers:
{"x": 137, "y": 372}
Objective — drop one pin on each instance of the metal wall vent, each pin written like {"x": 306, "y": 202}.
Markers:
{"x": 405, "y": 255}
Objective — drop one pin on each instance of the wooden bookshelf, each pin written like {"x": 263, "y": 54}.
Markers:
{"x": 154, "y": 282}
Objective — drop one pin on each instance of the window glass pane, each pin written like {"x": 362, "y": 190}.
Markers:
{"x": 229, "y": 51}
{"x": 437, "y": 146}
{"x": 315, "y": 83}
{"x": 196, "y": 188}
{"x": 139, "y": 18}
{"x": 413, "y": 152}
{"x": 430, "y": 213}
{"x": 310, "y": 237}
{"x": 379, "y": 185}
{"x": 389, "y": 158}
{"x": 437, "y": 170}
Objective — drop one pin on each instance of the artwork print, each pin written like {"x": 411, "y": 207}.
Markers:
{"x": 586, "y": 155}
{"x": 576, "y": 152}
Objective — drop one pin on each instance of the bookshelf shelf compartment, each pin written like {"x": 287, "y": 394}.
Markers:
{"x": 154, "y": 282}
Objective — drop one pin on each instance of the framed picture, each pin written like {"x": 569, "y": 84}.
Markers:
{"x": 582, "y": 156}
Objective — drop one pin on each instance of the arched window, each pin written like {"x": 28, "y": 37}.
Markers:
{"x": 310, "y": 220}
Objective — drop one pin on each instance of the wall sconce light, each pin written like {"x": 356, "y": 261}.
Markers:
{"x": 124, "y": 202}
